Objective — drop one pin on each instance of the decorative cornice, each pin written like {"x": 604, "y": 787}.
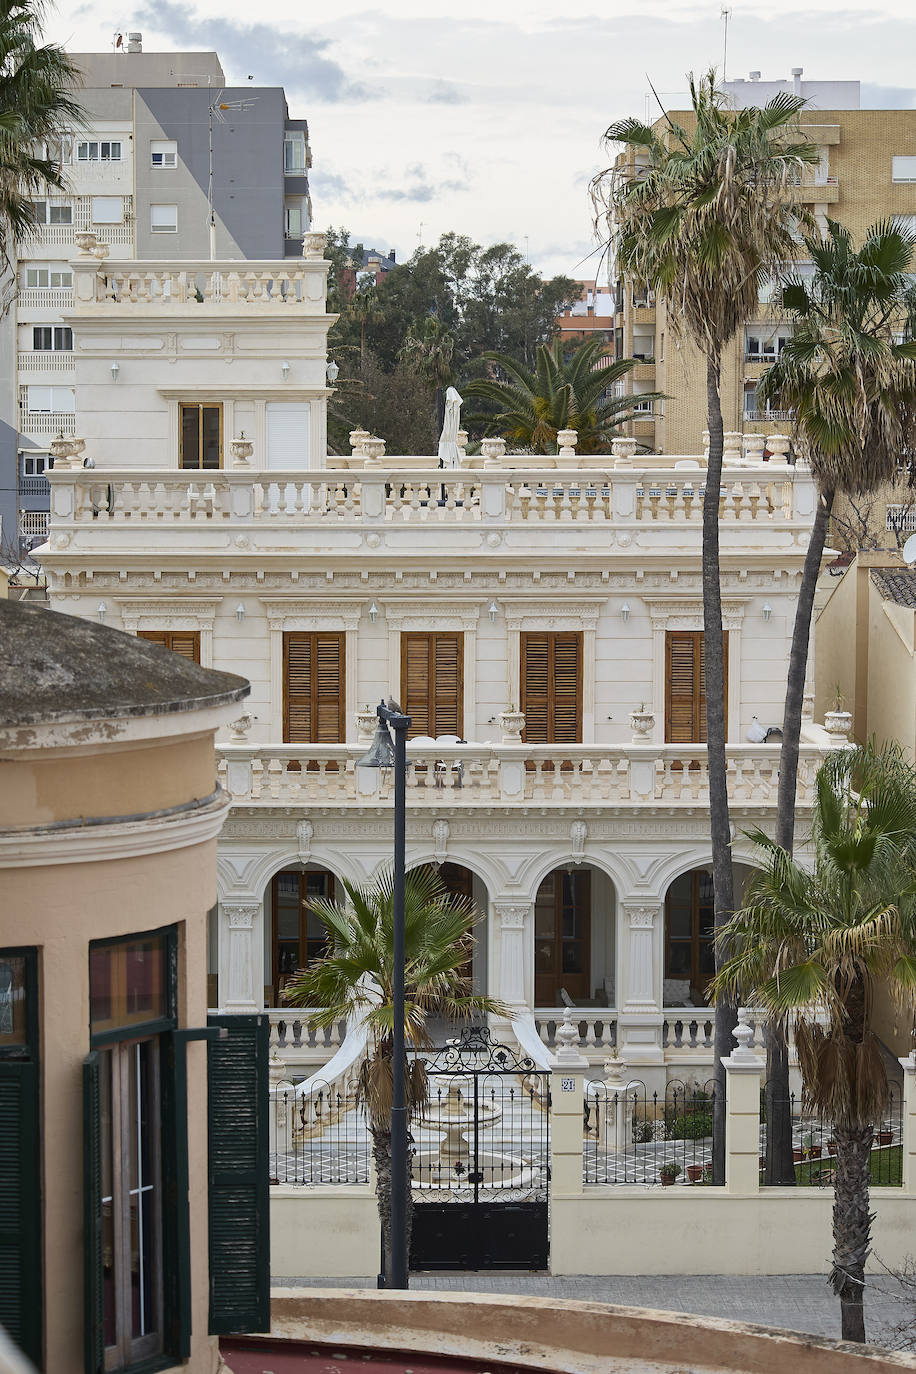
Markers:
{"x": 445, "y": 614}
{"x": 301, "y": 613}
{"x": 667, "y": 613}
{"x": 42, "y": 847}
{"x": 511, "y": 916}
{"x": 169, "y": 613}
{"x": 574, "y": 613}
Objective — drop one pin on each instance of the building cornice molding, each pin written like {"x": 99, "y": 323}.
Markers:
{"x": 431, "y": 613}
{"x": 686, "y": 613}
{"x": 301, "y": 613}
{"x": 579, "y": 612}
{"x": 80, "y": 843}
{"x": 169, "y": 613}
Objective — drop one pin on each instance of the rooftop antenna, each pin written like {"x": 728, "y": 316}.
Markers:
{"x": 909, "y": 550}
{"x": 217, "y": 109}
{"x": 725, "y": 15}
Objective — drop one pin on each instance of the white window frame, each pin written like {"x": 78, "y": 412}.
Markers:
{"x": 116, "y": 205}
{"x": 903, "y": 168}
{"x": 54, "y": 273}
{"x": 166, "y": 149}
{"x": 169, "y": 228}
{"x": 61, "y": 338}
{"x": 99, "y": 150}
{"x": 294, "y": 138}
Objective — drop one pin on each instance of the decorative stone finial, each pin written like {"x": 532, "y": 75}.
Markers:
{"x": 238, "y": 729}
{"x": 313, "y": 245}
{"x": 373, "y": 450}
{"x": 511, "y": 723}
{"x": 566, "y": 447}
{"x": 568, "y": 1040}
{"x": 778, "y": 445}
{"x": 494, "y": 451}
{"x": 622, "y": 450}
{"x": 744, "y": 1034}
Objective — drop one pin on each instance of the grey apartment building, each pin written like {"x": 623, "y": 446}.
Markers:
{"x": 138, "y": 178}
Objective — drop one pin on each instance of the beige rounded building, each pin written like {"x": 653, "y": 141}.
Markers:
{"x": 109, "y": 815}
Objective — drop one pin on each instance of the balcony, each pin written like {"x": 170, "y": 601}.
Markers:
{"x": 464, "y": 776}
{"x": 47, "y": 424}
{"x": 410, "y": 512}
{"x": 818, "y": 190}
{"x": 644, "y": 371}
{"x": 55, "y": 298}
{"x": 46, "y": 360}
{"x": 769, "y": 416}
{"x": 33, "y": 524}
{"x": 822, "y": 134}
{"x": 297, "y": 285}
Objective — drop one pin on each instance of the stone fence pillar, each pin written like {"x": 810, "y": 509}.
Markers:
{"x": 567, "y": 1086}
{"x": 909, "y": 1123}
{"x": 742, "y": 1107}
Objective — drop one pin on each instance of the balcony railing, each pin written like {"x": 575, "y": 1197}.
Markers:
{"x": 767, "y": 415}
{"x": 46, "y": 360}
{"x": 144, "y": 285}
{"x": 33, "y": 522}
{"x": 47, "y": 423}
{"x": 34, "y": 486}
{"x": 46, "y": 297}
{"x": 405, "y": 498}
{"x": 469, "y": 775}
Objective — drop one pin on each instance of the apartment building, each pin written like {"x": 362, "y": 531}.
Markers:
{"x": 591, "y": 315}
{"x": 540, "y": 620}
{"x": 167, "y": 148}
{"x": 866, "y": 171}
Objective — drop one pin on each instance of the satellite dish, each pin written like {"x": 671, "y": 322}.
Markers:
{"x": 909, "y": 550}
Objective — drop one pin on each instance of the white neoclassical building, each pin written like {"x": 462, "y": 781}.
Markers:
{"x": 540, "y": 619}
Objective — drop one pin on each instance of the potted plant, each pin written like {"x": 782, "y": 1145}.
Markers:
{"x": 798, "y": 1153}
{"x": 837, "y": 721}
{"x": 511, "y": 723}
{"x": 885, "y": 1137}
{"x": 831, "y": 1146}
{"x": 811, "y": 1151}
{"x": 695, "y": 1172}
{"x": 642, "y": 723}
{"x": 668, "y": 1173}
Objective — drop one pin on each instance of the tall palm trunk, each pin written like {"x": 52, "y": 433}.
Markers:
{"x": 723, "y": 880}
{"x": 851, "y": 1226}
{"x": 780, "y": 1165}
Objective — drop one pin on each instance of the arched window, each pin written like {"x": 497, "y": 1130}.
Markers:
{"x": 689, "y": 930}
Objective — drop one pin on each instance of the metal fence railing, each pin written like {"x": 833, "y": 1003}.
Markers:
{"x": 633, "y": 1136}
{"x": 814, "y": 1145}
{"x": 319, "y": 1138}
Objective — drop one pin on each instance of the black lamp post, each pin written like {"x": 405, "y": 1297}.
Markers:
{"x": 385, "y": 754}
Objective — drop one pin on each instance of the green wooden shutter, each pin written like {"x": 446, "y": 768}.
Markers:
{"x": 176, "y": 1223}
{"x": 20, "y": 1207}
{"x": 93, "y": 1316}
{"x": 239, "y": 1190}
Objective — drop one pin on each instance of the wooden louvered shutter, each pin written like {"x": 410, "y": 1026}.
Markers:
{"x": 239, "y": 1192}
{"x": 313, "y": 687}
{"x": 184, "y": 642}
{"x": 328, "y": 710}
{"x": 432, "y": 683}
{"x": 20, "y": 1207}
{"x": 447, "y": 684}
{"x": 551, "y": 687}
{"x": 93, "y": 1315}
{"x": 176, "y": 1221}
{"x": 297, "y": 688}
{"x": 685, "y": 686}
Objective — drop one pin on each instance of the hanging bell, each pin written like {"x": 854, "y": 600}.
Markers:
{"x": 381, "y": 750}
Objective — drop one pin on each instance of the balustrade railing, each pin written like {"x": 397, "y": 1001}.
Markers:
{"x": 412, "y": 497}
{"x": 484, "y": 774}
{"x": 597, "y": 1026}
{"x": 201, "y": 283}
{"x": 292, "y": 1029}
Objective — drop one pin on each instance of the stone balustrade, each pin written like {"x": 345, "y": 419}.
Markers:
{"x": 255, "y": 505}
{"x": 140, "y": 287}
{"x": 469, "y": 775}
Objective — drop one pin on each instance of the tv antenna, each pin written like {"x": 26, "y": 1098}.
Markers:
{"x": 217, "y": 109}
{"x": 909, "y": 550}
{"x": 725, "y": 15}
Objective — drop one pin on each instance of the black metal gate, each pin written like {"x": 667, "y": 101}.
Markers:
{"x": 481, "y": 1159}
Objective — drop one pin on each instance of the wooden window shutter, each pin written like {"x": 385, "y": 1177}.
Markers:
{"x": 685, "y": 686}
{"x": 432, "y": 683}
{"x": 239, "y": 1192}
{"x": 184, "y": 642}
{"x": 20, "y": 1207}
{"x": 313, "y": 687}
{"x": 176, "y": 1221}
{"x": 551, "y": 687}
{"x": 93, "y": 1321}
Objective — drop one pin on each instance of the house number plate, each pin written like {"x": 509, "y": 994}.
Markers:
{"x": 567, "y": 1085}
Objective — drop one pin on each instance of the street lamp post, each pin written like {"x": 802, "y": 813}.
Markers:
{"x": 382, "y": 754}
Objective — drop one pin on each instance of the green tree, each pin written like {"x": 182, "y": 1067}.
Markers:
{"x": 564, "y": 392}
{"x": 849, "y": 376}
{"x": 704, "y": 214}
{"x": 430, "y": 354}
{"x": 37, "y": 110}
{"x": 365, "y": 308}
{"x": 358, "y": 978}
{"x": 816, "y": 947}
{"x": 395, "y": 405}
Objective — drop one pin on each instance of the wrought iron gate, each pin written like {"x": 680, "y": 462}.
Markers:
{"x": 481, "y": 1159}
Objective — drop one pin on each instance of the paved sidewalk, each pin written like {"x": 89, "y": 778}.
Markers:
{"x": 795, "y": 1302}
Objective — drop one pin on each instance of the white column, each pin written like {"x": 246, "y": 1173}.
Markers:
{"x": 512, "y": 950}
{"x": 241, "y": 956}
{"x": 639, "y": 1014}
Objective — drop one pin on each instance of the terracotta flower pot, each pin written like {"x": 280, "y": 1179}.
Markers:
{"x": 798, "y": 1154}
{"x": 831, "y": 1147}
{"x": 885, "y": 1137}
{"x": 814, "y": 1151}
{"x": 695, "y": 1172}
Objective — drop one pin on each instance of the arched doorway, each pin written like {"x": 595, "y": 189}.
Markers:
{"x": 574, "y": 945}
{"x": 690, "y": 957}
{"x": 295, "y": 935}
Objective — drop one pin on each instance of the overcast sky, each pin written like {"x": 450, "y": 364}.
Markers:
{"x": 486, "y": 118}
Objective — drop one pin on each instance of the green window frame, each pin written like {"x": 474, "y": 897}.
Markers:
{"x": 21, "y": 1288}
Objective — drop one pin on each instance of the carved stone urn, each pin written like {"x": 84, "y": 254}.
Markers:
{"x": 566, "y": 448}
{"x": 462, "y": 441}
{"x": 511, "y": 724}
{"x": 86, "y": 243}
{"x": 642, "y": 723}
{"x": 838, "y": 725}
{"x": 779, "y": 445}
{"x": 313, "y": 245}
{"x": 494, "y": 451}
{"x": 241, "y": 449}
{"x": 622, "y": 450}
{"x": 373, "y": 450}
{"x": 366, "y": 724}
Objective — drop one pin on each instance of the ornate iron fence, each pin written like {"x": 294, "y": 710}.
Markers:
{"x": 633, "y": 1136}
{"x": 814, "y": 1146}
{"x": 319, "y": 1138}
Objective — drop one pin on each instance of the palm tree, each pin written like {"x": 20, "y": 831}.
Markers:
{"x": 815, "y": 946}
{"x": 430, "y": 354}
{"x": 36, "y": 113}
{"x": 562, "y": 393}
{"x": 358, "y": 977}
{"x": 365, "y": 306}
{"x": 704, "y": 215}
{"x": 849, "y": 376}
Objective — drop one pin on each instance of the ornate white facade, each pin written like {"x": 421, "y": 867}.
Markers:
{"x": 373, "y": 548}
